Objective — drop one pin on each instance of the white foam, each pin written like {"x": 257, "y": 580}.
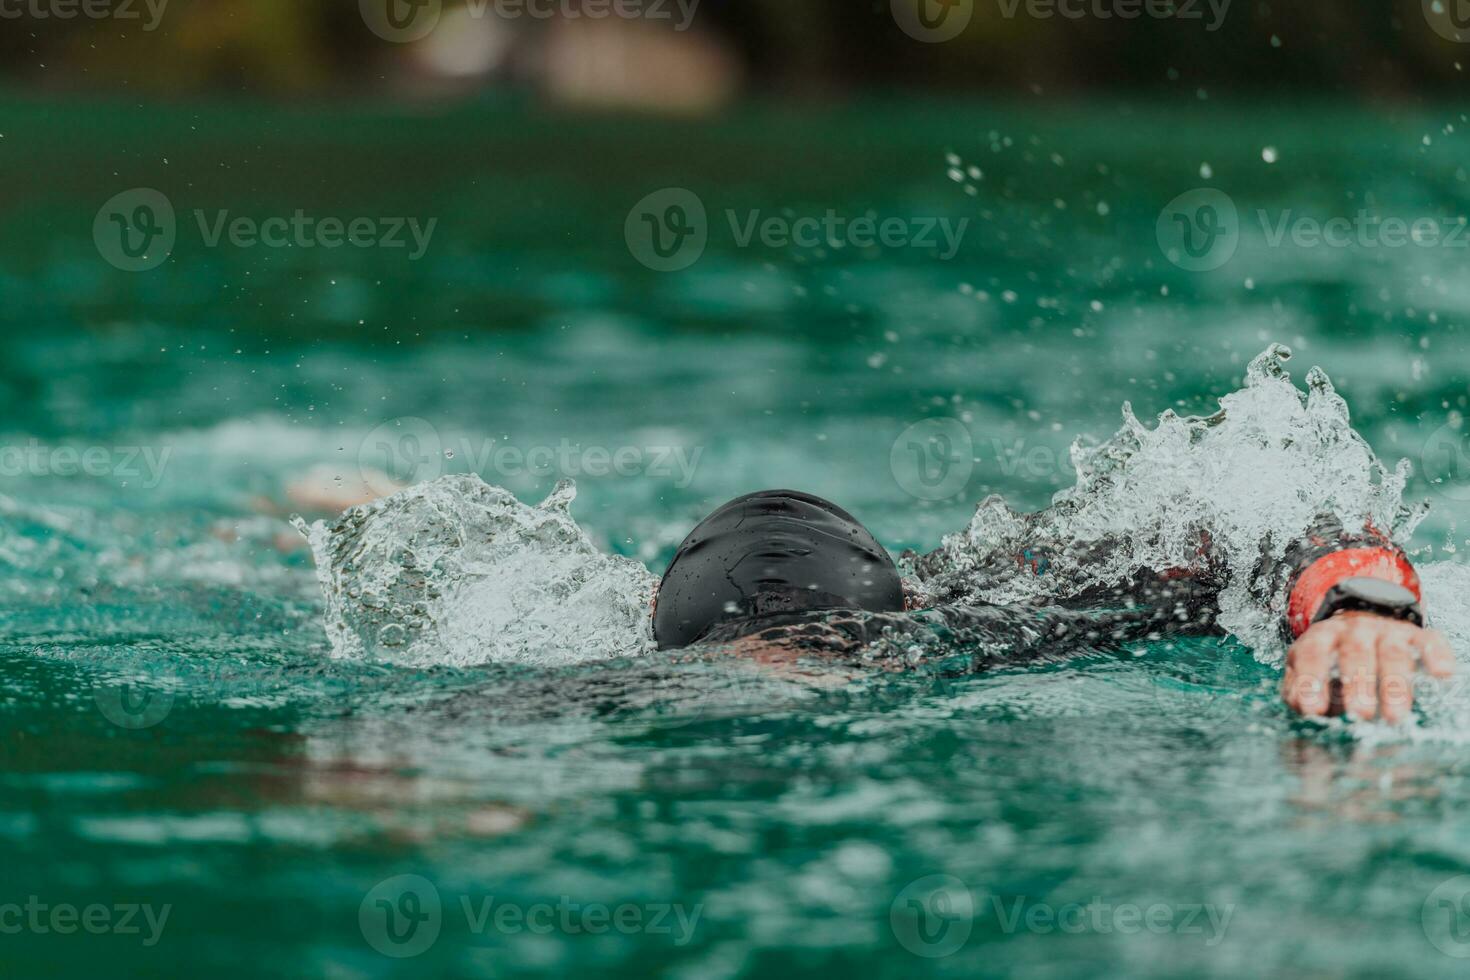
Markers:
{"x": 1256, "y": 476}
{"x": 458, "y": 572}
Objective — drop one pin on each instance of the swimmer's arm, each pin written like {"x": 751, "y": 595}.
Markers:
{"x": 1373, "y": 656}
{"x": 1044, "y": 571}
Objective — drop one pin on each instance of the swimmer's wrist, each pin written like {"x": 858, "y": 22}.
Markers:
{"x": 1349, "y": 580}
{"x": 1374, "y": 597}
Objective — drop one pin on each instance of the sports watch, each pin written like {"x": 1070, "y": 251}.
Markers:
{"x": 1372, "y": 595}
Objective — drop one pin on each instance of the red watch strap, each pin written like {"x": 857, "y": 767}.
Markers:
{"x": 1318, "y": 578}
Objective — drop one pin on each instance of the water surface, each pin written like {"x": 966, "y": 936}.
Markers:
{"x": 272, "y": 789}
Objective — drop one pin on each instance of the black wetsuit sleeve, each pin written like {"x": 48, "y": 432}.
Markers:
{"x": 1184, "y": 598}
{"x": 1035, "y": 570}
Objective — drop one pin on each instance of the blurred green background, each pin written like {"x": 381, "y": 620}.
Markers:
{"x": 285, "y": 787}
{"x": 819, "y": 49}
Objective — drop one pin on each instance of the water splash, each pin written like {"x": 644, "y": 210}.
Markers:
{"x": 1255, "y": 477}
{"x": 1444, "y": 706}
{"x": 459, "y": 572}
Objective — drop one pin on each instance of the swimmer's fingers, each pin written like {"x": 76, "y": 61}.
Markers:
{"x": 1375, "y": 660}
{"x": 1309, "y": 670}
{"x": 1396, "y": 672}
{"x": 1357, "y": 659}
{"x": 1403, "y": 648}
{"x": 1435, "y": 654}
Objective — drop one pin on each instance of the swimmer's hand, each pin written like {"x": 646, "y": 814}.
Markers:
{"x": 1375, "y": 659}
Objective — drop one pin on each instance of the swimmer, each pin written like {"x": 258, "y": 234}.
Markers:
{"x": 321, "y": 491}
{"x": 780, "y": 573}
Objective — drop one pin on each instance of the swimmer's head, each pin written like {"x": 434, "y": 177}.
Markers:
{"x": 770, "y": 553}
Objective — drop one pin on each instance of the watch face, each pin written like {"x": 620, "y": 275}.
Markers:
{"x": 1378, "y": 592}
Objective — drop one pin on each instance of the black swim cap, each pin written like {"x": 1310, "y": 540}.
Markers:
{"x": 770, "y": 553}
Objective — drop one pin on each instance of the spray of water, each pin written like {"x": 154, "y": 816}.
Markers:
{"x": 1254, "y": 477}
{"x": 459, "y": 572}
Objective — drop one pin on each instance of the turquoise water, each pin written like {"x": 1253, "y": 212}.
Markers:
{"x": 176, "y": 735}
